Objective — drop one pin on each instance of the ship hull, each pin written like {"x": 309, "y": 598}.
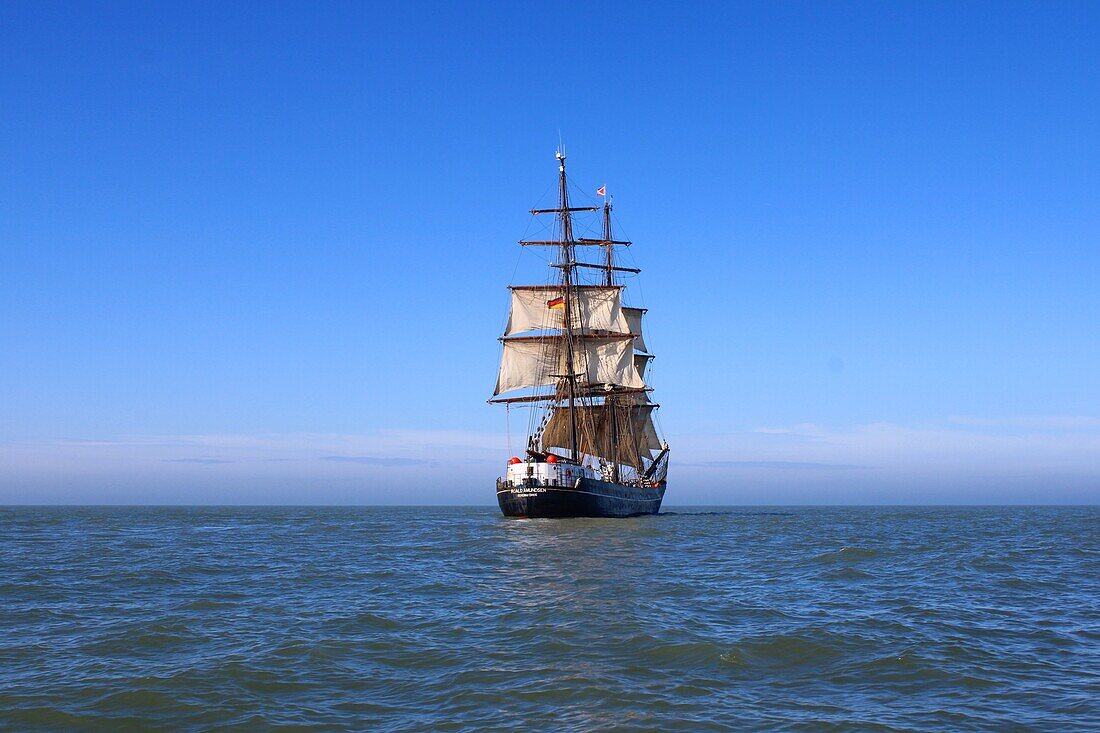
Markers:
{"x": 588, "y": 498}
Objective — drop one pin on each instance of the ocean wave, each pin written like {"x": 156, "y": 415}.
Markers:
{"x": 446, "y": 619}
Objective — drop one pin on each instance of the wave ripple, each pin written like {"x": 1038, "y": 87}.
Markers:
{"x": 884, "y": 619}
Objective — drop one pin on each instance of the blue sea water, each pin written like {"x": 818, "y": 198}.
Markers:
{"x": 456, "y": 619}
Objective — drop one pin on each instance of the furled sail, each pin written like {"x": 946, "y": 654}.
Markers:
{"x": 540, "y": 361}
{"x": 541, "y": 308}
{"x": 634, "y": 322}
{"x": 636, "y": 433}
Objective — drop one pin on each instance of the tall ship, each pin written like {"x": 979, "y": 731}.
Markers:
{"x": 574, "y": 355}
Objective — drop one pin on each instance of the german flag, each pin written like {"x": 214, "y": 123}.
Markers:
{"x": 556, "y": 303}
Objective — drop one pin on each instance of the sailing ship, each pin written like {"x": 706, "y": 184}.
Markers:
{"x": 575, "y": 355}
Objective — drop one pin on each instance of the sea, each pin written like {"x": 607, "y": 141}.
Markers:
{"x": 457, "y": 619}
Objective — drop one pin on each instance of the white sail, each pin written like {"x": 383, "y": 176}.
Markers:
{"x": 645, "y": 431}
{"x": 596, "y": 360}
{"x": 527, "y": 364}
{"x": 634, "y": 321}
{"x": 648, "y": 434}
{"x": 608, "y": 361}
{"x": 593, "y": 308}
{"x": 641, "y": 361}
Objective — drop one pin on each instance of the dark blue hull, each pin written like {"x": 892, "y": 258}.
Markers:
{"x": 589, "y": 498}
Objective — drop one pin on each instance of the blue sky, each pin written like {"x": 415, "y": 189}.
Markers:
{"x": 255, "y": 252}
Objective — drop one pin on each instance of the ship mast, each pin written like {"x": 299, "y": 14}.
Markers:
{"x": 567, "y": 275}
{"x": 609, "y": 400}
{"x": 609, "y": 242}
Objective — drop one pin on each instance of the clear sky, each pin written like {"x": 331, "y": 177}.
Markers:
{"x": 257, "y": 252}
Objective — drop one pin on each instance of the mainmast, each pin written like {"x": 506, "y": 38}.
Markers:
{"x": 567, "y": 275}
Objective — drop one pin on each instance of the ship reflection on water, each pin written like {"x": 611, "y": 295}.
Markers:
{"x": 576, "y": 590}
